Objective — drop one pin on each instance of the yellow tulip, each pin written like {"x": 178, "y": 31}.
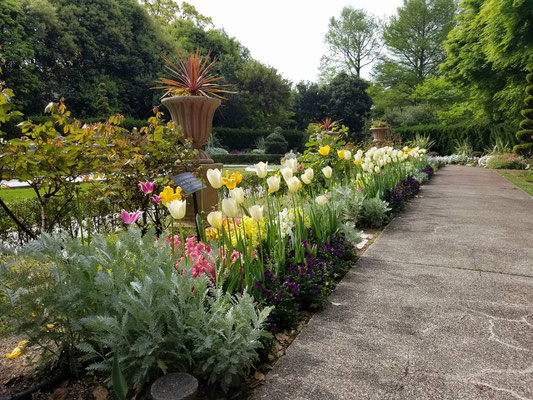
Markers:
{"x": 341, "y": 153}
{"x": 17, "y": 351}
{"x": 230, "y": 183}
{"x": 238, "y": 177}
{"x": 324, "y": 150}
{"x": 168, "y": 195}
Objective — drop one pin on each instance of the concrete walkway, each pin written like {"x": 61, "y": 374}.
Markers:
{"x": 439, "y": 307}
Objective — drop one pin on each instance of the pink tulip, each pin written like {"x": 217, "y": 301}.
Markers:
{"x": 156, "y": 199}
{"x": 147, "y": 187}
{"x": 130, "y": 218}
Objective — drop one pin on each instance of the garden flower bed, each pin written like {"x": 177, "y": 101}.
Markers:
{"x": 134, "y": 304}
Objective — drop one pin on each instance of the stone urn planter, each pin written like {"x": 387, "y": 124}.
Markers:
{"x": 194, "y": 114}
{"x": 380, "y": 134}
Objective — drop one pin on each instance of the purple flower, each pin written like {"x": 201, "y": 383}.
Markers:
{"x": 130, "y": 218}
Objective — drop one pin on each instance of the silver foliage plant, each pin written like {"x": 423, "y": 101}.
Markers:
{"x": 79, "y": 304}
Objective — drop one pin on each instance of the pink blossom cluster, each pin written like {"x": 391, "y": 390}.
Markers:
{"x": 200, "y": 255}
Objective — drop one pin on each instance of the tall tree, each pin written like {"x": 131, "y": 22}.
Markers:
{"x": 348, "y": 101}
{"x": 310, "y": 104}
{"x": 70, "y": 47}
{"x": 489, "y": 53}
{"x": 354, "y": 41}
{"x": 414, "y": 39}
{"x": 165, "y": 12}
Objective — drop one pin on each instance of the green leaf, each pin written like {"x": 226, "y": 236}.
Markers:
{"x": 117, "y": 378}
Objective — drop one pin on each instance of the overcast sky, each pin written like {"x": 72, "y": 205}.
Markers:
{"x": 286, "y": 34}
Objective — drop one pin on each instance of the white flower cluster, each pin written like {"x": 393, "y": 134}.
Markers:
{"x": 286, "y": 220}
{"x": 376, "y": 158}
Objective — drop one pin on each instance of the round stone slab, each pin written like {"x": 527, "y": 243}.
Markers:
{"x": 175, "y": 386}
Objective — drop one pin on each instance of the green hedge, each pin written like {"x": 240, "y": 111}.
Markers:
{"x": 247, "y": 158}
{"x": 237, "y": 139}
{"x": 231, "y": 138}
{"x": 481, "y": 134}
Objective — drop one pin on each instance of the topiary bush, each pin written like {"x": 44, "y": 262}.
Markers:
{"x": 525, "y": 134}
{"x": 275, "y": 143}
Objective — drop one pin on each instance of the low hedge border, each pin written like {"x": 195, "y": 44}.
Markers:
{"x": 246, "y": 158}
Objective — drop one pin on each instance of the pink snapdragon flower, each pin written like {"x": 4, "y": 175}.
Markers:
{"x": 147, "y": 187}
{"x": 200, "y": 255}
{"x": 177, "y": 241}
{"x": 130, "y": 218}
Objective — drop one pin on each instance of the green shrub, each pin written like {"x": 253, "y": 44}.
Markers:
{"x": 81, "y": 303}
{"x": 505, "y": 161}
{"x": 241, "y": 138}
{"x": 479, "y": 133}
{"x": 275, "y": 143}
{"x": 375, "y": 212}
{"x": 246, "y": 158}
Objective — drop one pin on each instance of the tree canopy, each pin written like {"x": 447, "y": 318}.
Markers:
{"x": 354, "y": 41}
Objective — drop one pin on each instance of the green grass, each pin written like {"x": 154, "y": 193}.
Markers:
{"x": 16, "y": 194}
{"x": 11, "y": 195}
{"x": 522, "y": 179}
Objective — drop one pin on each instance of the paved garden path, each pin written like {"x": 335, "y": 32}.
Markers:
{"x": 439, "y": 307}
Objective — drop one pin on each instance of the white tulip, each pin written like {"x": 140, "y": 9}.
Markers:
{"x": 256, "y": 212}
{"x": 293, "y": 184}
{"x": 357, "y": 158}
{"x": 214, "y": 176}
{"x": 321, "y": 200}
{"x": 237, "y": 194}
{"x": 287, "y": 173}
{"x": 177, "y": 208}
{"x": 215, "y": 219}
{"x": 306, "y": 180}
{"x": 230, "y": 208}
{"x": 309, "y": 173}
{"x": 261, "y": 169}
{"x": 273, "y": 183}
{"x": 377, "y": 169}
{"x": 292, "y": 163}
{"x": 327, "y": 171}
{"x": 347, "y": 155}
{"x": 48, "y": 107}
